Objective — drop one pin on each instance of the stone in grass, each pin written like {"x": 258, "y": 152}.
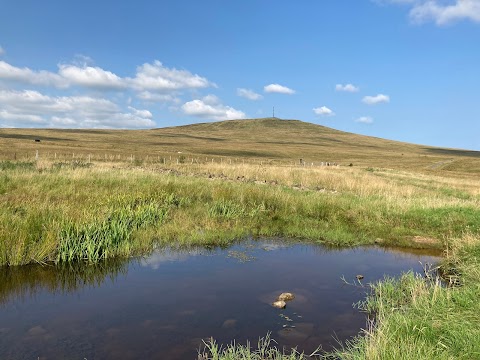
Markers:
{"x": 286, "y": 296}
{"x": 279, "y": 304}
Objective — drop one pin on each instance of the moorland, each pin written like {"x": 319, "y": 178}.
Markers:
{"x": 88, "y": 195}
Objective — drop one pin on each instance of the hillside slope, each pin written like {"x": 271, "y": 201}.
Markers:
{"x": 268, "y": 139}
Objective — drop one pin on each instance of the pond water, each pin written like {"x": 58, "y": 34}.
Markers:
{"x": 162, "y": 306}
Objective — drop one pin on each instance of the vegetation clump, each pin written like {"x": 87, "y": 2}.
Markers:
{"x": 265, "y": 350}
{"x": 100, "y": 240}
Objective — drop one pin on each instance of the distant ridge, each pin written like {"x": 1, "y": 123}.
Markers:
{"x": 271, "y": 139}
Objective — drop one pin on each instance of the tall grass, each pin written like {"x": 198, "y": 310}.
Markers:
{"x": 100, "y": 240}
{"x": 92, "y": 213}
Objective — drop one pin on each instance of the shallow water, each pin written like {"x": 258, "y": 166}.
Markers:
{"x": 161, "y": 307}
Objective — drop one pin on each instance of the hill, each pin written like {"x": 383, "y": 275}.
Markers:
{"x": 263, "y": 140}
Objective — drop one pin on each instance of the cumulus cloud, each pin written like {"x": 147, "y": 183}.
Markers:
{"x": 156, "y": 97}
{"x": 347, "y": 88}
{"x": 364, "y": 120}
{"x": 377, "y": 99}
{"x": 279, "y": 89}
{"x": 29, "y": 76}
{"x": 248, "y": 94}
{"x": 439, "y": 11}
{"x": 323, "y": 111}
{"x": 32, "y": 108}
{"x": 158, "y": 77}
{"x": 150, "y": 83}
{"x": 148, "y": 77}
{"x": 211, "y": 108}
{"x": 89, "y": 76}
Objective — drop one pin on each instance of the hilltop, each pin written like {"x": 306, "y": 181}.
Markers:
{"x": 266, "y": 140}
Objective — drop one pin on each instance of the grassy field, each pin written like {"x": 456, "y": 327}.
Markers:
{"x": 96, "y": 195}
{"x": 258, "y": 141}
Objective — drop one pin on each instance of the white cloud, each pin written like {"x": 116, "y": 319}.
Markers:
{"x": 210, "y": 107}
{"x": 81, "y": 60}
{"x": 2, "y": 51}
{"x": 323, "y": 111}
{"x": 346, "y": 88}
{"x": 364, "y": 120}
{"x": 28, "y": 76}
{"x": 280, "y": 89}
{"x": 12, "y": 117}
{"x": 31, "y": 108}
{"x": 158, "y": 77}
{"x": 377, "y": 99}
{"x": 443, "y": 14}
{"x": 149, "y": 77}
{"x": 89, "y": 76}
{"x": 211, "y": 100}
{"x": 152, "y": 83}
{"x": 155, "y": 97}
{"x": 440, "y": 11}
{"x": 248, "y": 94}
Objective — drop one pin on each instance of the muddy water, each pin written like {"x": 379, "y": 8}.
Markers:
{"x": 161, "y": 307}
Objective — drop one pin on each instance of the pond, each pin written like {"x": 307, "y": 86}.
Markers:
{"x": 162, "y": 306}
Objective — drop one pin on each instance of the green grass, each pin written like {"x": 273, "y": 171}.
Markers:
{"x": 110, "y": 237}
{"x": 74, "y": 213}
{"x": 265, "y": 350}
{"x": 14, "y": 165}
{"x": 420, "y": 319}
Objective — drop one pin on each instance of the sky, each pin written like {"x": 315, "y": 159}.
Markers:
{"x": 405, "y": 70}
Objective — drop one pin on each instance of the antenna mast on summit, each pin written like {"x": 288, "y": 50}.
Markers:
{"x": 273, "y": 112}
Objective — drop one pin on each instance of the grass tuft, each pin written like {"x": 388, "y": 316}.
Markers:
{"x": 265, "y": 350}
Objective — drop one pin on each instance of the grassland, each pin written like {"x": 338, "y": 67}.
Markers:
{"x": 256, "y": 141}
{"x": 97, "y": 195}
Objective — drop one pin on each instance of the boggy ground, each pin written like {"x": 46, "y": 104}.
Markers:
{"x": 78, "y": 211}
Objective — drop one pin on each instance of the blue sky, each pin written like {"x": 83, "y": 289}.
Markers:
{"x": 406, "y": 70}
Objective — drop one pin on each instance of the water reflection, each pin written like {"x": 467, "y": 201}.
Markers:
{"x": 163, "y": 306}
{"x": 23, "y": 282}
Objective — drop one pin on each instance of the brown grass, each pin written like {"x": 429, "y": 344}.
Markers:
{"x": 259, "y": 141}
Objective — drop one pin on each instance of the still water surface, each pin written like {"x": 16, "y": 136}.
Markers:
{"x": 161, "y": 307}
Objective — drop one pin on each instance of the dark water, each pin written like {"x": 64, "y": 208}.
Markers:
{"x": 163, "y": 306}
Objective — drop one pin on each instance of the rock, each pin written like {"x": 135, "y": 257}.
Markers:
{"x": 279, "y": 304}
{"x": 37, "y": 331}
{"x": 286, "y": 296}
{"x": 360, "y": 277}
{"x": 229, "y": 323}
